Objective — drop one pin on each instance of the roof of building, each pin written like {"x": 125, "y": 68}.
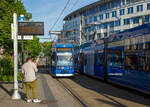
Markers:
{"x": 87, "y": 7}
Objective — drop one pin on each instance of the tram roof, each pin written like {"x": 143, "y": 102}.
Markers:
{"x": 133, "y": 32}
{"x": 62, "y": 46}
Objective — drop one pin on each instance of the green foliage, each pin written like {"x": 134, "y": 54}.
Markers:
{"x": 7, "y": 8}
{"x": 47, "y": 48}
{"x": 33, "y": 47}
{"x": 7, "y": 70}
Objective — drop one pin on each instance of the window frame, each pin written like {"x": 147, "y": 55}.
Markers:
{"x": 148, "y": 6}
{"x": 130, "y": 10}
{"x": 139, "y": 8}
{"x": 107, "y": 15}
{"x": 122, "y": 12}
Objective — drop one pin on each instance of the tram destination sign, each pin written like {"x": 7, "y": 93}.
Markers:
{"x": 30, "y": 28}
{"x": 64, "y": 49}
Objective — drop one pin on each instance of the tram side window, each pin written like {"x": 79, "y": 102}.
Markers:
{"x": 147, "y": 46}
{"x": 53, "y": 60}
{"x": 117, "y": 60}
{"x": 95, "y": 58}
{"x": 76, "y": 59}
{"x": 85, "y": 59}
{"x": 145, "y": 63}
{"x": 81, "y": 59}
{"x": 110, "y": 59}
{"x": 131, "y": 62}
{"x": 101, "y": 59}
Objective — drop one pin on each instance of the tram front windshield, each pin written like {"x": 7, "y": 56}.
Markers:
{"x": 64, "y": 59}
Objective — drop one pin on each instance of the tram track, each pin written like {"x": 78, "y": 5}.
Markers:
{"x": 72, "y": 93}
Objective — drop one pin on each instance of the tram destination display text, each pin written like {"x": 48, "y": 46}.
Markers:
{"x": 30, "y": 28}
{"x": 64, "y": 49}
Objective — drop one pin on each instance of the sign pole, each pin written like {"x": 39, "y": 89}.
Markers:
{"x": 15, "y": 95}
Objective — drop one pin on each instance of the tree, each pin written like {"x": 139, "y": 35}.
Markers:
{"x": 47, "y": 48}
{"x": 33, "y": 47}
{"x": 7, "y": 8}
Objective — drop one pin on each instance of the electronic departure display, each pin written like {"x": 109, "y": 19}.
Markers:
{"x": 30, "y": 28}
{"x": 64, "y": 49}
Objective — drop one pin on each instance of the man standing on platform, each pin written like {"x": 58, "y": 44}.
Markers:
{"x": 28, "y": 71}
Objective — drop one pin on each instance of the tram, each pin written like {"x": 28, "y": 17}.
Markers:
{"x": 123, "y": 58}
{"x": 62, "y": 61}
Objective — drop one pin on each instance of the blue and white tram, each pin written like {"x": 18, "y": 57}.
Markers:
{"x": 123, "y": 59}
{"x": 62, "y": 61}
{"x": 129, "y": 58}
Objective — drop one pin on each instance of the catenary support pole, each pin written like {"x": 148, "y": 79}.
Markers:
{"x": 15, "y": 95}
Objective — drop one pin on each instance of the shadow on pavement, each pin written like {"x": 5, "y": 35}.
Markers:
{"x": 110, "y": 103}
{"x": 48, "y": 101}
{"x": 108, "y": 90}
{"x": 10, "y": 92}
{"x": 6, "y": 90}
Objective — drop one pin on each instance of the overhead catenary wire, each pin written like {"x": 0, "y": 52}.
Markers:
{"x": 59, "y": 18}
{"x": 60, "y": 15}
{"x": 74, "y": 5}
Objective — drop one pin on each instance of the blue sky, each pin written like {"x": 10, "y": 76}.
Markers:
{"x": 49, "y": 10}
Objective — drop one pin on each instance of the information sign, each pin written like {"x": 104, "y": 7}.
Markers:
{"x": 30, "y": 28}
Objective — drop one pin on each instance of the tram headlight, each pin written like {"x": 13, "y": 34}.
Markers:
{"x": 58, "y": 67}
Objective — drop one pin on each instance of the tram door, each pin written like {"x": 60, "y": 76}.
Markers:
{"x": 89, "y": 68}
{"x": 99, "y": 64}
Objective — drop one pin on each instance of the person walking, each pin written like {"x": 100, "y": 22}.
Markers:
{"x": 28, "y": 71}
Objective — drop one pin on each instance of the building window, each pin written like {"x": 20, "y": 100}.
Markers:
{"x": 122, "y": 12}
{"x": 139, "y": 8}
{"x": 117, "y": 23}
{"x": 126, "y": 21}
{"x": 112, "y": 24}
{"x": 114, "y": 14}
{"x": 95, "y": 18}
{"x": 130, "y": 10}
{"x": 105, "y": 26}
{"x": 123, "y": 2}
{"x": 107, "y": 15}
{"x": 128, "y": 1}
{"x": 147, "y": 18}
{"x": 101, "y": 17}
{"x": 92, "y": 28}
{"x": 136, "y": 20}
{"x": 99, "y": 26}
{"x": 117, "y": 31}
{"x": 86, "y": 21}
{"x": 90, "y": 20}
{"x": 148, "y": 6}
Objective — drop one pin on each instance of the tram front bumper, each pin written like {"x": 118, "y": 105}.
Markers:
{"x": 64, "y": 75}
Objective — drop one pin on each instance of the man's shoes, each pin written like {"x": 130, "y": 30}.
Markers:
{"x": 36, "y": 101}
{"x": 29, "y": 100}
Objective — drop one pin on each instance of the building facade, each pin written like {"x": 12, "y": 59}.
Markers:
{"x": 105, "y": 17}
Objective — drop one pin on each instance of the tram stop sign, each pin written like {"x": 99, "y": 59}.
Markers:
{"x": 30, "y": 28}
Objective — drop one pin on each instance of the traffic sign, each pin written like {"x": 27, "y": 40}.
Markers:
{"x": 21, "y": 18}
